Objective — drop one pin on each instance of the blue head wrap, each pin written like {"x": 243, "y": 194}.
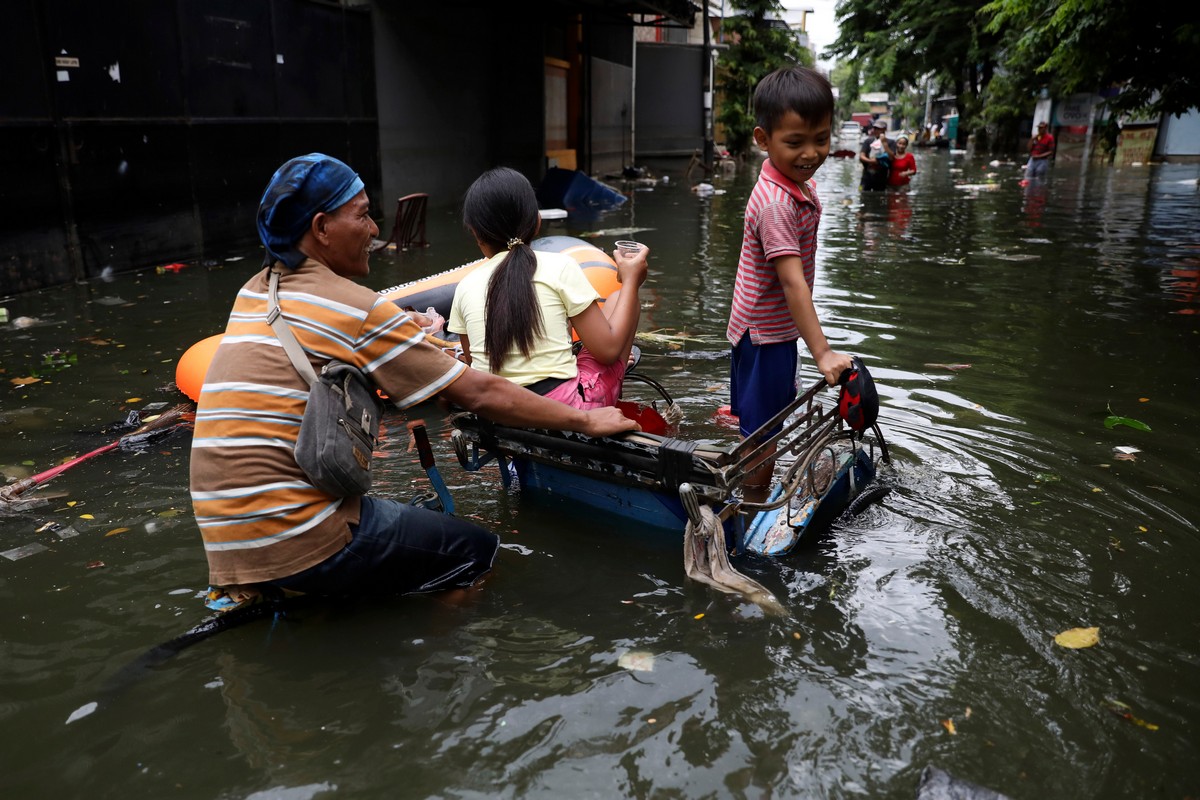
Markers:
{"x": 298, "y": 191}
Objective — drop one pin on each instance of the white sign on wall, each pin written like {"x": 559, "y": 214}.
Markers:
{"x": 1076, "y": 110}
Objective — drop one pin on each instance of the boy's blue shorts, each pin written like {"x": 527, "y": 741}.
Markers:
{"x": 762, "y": 381}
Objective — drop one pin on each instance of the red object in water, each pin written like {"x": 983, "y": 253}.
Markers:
{"x": 725, "y": 418}
{"x": 646, "y": 416}
{"x": 172, "y": 267}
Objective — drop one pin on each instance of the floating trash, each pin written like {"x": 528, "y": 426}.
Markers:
{"x": 636, "y": 660}
{"x": 84, "y": 710}
{"x": 17, "y": 553}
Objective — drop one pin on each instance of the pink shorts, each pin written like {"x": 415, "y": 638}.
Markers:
{"x": 595, "y": 385}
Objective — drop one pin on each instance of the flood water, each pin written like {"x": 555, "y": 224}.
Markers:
{"x": 1002, "y": 324}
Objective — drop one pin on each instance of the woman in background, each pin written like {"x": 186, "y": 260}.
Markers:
{"x": 904, "y": 164}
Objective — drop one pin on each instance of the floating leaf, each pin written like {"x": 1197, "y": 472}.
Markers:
{"x": 1075, "y": 638}
{"x": 25, "y": 381}
{"x": 1113, "y": 420}
{"x": 948, "y": 724}
{"x": 94, "y": 564}
{"x": 86, "y": 516}
{"x": 115, "y": 531}
{"x": 1123, "y": 711}
{"x": 699, "y": 616}
{"x": 134, "y": 400}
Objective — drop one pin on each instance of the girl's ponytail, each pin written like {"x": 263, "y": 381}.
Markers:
{"x": 500, "y": 210}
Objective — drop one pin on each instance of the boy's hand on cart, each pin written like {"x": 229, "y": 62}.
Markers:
{"x": 832, "y": 364}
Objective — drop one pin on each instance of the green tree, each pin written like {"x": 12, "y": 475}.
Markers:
{"x": 1141, "y": 56}
{"x": 900, "y": 42}
{"x": 760, "y": 43}
{"x": 845, "y": 78}
{"x": 1148, "y": 52}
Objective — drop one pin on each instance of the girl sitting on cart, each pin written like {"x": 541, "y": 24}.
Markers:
{"x": 514, "y": 313}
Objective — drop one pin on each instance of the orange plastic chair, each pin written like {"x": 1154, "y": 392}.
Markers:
{"x": 409, "y": 228}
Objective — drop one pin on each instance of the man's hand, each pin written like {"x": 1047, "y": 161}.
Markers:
{"x": 501, "y": 400}
{"x": 608, "y": 421}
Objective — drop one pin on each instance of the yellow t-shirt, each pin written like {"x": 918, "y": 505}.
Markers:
{"x": 563, "y": 292}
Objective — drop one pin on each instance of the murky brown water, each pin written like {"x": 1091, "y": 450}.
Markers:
{"x": 1002, "y": 324}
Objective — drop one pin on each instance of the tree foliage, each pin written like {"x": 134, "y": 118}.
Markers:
{"x": 904, "y": 42}
{"x": 759, "y": 44}
{"x": 846, "y": 78}
{"x": 997, "y": 55}
{"x": 1147, "y": 52}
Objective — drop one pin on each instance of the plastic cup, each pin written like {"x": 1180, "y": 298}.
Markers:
{"x": 629, "y": 247}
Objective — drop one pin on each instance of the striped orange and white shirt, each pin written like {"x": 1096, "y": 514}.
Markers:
{"x": 259, "y": 516}
{"x": 780, "y": 221}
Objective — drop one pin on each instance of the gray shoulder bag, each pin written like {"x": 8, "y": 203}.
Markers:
{"x": 341, "y": 421}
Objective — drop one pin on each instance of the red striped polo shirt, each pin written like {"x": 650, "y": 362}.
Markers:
{"x": 780, "y": 221}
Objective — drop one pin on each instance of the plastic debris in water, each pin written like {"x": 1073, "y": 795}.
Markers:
{"x": 18, "y": 553}
{"x": 81, "y": 712}
{"x": 636, "y": 660}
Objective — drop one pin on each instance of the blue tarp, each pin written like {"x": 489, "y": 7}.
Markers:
{"x": 573, "y": 190}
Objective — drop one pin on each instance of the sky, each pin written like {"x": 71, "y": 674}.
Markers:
{"x": 821, "y": 25}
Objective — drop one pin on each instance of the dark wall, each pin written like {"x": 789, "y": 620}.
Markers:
{"x": 153, "y": 136}
{"x": 669, "y": 115}
{"x": 609, "y": 51}
{"x": 461, "y": 91}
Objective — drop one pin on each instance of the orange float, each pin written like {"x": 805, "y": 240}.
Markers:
{"x": 189, "y": 372}
{"x": 435, "y": 291}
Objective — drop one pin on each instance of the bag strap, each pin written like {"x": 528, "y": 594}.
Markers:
{"x": 283, "y": 331}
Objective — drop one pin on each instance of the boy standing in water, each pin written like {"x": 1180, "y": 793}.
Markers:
{"x": 772, "y": 295}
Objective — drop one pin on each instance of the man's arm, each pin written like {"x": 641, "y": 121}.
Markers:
{"x": 800, "y": 303}
{"x": 864, "y": 154}
{"x": 501, "y": 400}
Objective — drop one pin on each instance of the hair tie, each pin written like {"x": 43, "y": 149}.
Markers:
{"x": 513, "y": 242}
